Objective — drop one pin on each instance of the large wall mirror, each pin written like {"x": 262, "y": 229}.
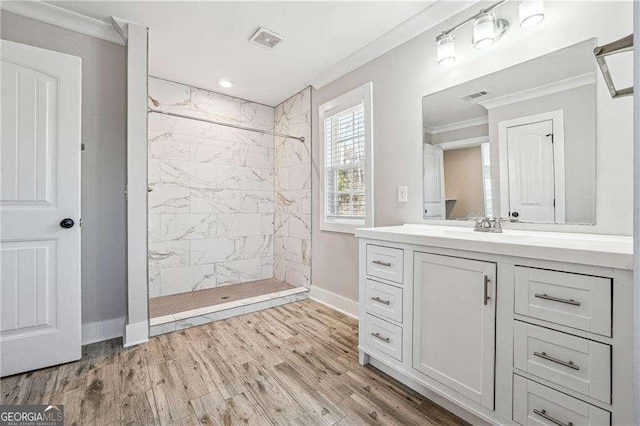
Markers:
{"x": 519, "y": 143}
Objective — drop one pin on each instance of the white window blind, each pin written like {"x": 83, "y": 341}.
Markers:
{"x": 345, "y": 164}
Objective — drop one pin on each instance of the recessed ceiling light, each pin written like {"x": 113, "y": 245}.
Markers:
{"x": 223, "y": 82}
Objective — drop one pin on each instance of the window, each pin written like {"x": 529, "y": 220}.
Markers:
{"x": 347, "y": 193}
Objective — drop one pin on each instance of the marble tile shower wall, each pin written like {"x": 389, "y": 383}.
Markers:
{"x": 211, "y": 205}
{"x": 293, "y": 191}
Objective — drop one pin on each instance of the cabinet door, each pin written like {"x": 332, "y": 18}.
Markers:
{"x": 454, "y": 323}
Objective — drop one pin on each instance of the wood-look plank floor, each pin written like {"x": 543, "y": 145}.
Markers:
{"x": 296, "y": 364}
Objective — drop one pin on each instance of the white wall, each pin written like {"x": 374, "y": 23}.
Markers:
{"x": 404, "y": 75}
{"x": 103, "y": 162}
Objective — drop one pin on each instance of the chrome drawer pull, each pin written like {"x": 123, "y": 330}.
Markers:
{"x": 544, "y": 415}
{"x": 568, "y": 364}
{"x": 557, "y": 299}
{"x": 378, "y": 336}
{"x": 377, "y": 299}
{"x": 380, "y": 262}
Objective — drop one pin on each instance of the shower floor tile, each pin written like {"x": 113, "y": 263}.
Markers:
{"x": 177, "y": 303}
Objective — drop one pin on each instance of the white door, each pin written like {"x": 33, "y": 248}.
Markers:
{"x": 454, "y": 323}
{"x": 433, "y": 160}
{"x": 531, "y": 172}
{"x": 40, "y": 159}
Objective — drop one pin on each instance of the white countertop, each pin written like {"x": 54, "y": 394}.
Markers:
{"x": 612, "y": 251}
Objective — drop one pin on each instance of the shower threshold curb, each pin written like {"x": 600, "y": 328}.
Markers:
{"x": 194, "y": 317}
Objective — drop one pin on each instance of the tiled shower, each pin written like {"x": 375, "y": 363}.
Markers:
{"x": 226, "y": 206}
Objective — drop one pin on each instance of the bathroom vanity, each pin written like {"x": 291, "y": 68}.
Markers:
{"x": 521, "y": 327}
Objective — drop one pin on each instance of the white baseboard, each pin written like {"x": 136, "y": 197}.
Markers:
{"x": 99, "y": 331}
{"x": 136, "y": 333}
{"x": 335, "y": 301}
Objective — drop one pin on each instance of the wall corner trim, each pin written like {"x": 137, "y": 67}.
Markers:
{"x": 434, "y": 14}
{"x": 99, "y": 331}
{"x": 136, "y": 334}
{"x": 63, "y": 18}
{"x": 137, "y": 187}
{"x": 334, "y": 301}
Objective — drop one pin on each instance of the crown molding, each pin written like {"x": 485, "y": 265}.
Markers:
{"x": 463, "y": 143}
{"x": 434, "y": 14}
{"x": 63, "y": 18}
{"x": 458, "y": 125}
{"x": 536, "y": 92}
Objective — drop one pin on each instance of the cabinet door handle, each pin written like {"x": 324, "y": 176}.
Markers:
{"x": 568, "y": 364}
{"x": 380, "y": 262}
{"x": 544, "y": 415}
{"x": 378, "y": 336}
{"x": 486, "y": 290}
{"x": 377, "y": 299}
{"x": 557, "y": 299}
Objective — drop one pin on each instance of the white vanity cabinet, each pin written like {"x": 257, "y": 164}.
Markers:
{"x": 453, "y": 307}
{"x": 525, "y": 328}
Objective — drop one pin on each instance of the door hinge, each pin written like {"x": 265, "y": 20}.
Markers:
{"x": 126, "y": 195}
{"x": 82, "y": 147}
{"x": 554, "y": 202}
{"x": 80, "y": 222}
{"x": 550, "y": 134}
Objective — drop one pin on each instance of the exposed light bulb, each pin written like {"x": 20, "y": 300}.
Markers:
{"x": 531, "y": 13}
{"x": 446, "y": 49}
{"x": 484, "y": 30}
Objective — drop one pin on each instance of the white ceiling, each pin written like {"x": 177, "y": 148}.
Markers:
{"x": 447, "y": 107}
{"x": 198, "y": 43}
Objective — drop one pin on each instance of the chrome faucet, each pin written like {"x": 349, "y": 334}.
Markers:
{"x": 485, "y": 224}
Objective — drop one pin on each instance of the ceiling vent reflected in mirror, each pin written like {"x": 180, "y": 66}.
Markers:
{"x": 267, "y": 39}
{"x": 473, "y": 96}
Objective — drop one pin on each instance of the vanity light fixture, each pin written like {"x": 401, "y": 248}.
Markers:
{"x": 223, "y": 82}
{"x": 531, "y": 13}
{"x": 488, "y": 28}
{"x": 446, "y": 49}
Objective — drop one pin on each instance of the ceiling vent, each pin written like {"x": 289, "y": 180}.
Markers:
{"x": 267, "y": 38}
{"x": 474, "y": 96}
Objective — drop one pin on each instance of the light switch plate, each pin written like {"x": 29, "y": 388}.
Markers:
{"x": 403, "y": 194}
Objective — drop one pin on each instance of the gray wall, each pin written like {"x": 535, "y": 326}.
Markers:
{"x": 103, "y": 161}
{"x": 402, "y": 76}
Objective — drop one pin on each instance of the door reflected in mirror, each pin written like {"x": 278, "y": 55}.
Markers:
{"x": 519, "y": 143}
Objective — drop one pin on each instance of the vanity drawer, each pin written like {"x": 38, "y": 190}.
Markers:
{"x": 535, "y": 404}
{"x": 383, "y": 300}
{"x": 385, "y": 262}
{"x": 578, "y": 301}
{"x": 573, "y": 362}
{"x": 383, "y": 336}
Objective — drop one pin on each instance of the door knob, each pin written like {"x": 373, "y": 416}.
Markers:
{"x": 515, "y": 214}
{"x": 67, "y": 223}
